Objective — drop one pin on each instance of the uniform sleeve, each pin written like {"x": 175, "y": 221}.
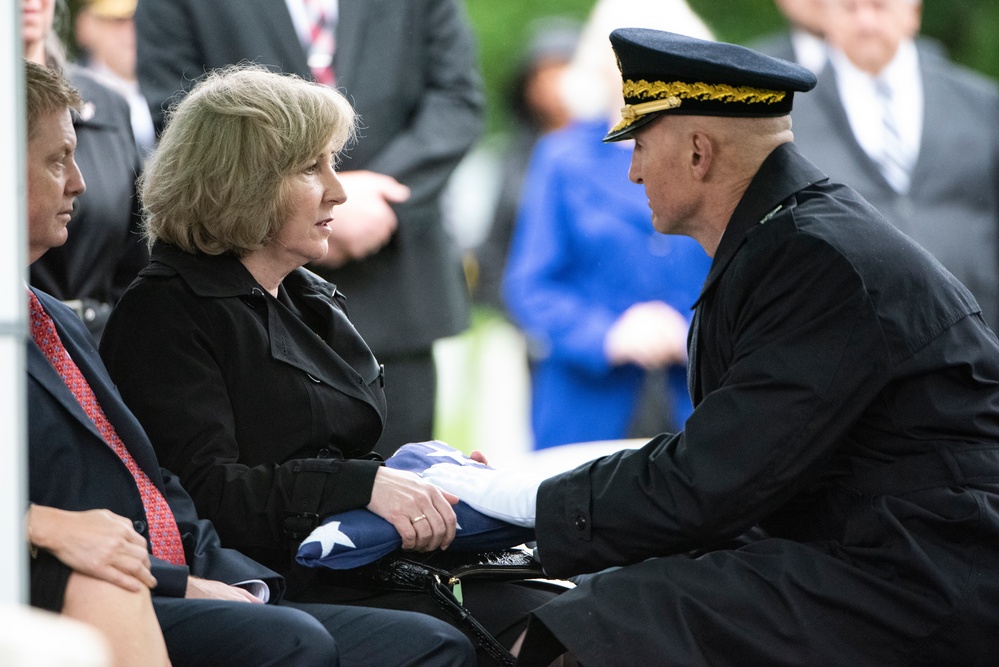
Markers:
{"x": 806, "y": 359}
{"x": 163, "y": 351}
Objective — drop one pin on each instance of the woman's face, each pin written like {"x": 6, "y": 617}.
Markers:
{"x": 36, "y": 21}
{"x": 309, "y": 197}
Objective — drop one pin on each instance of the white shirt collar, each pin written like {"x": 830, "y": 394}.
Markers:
{"x": 301, "y": 18}
{"x": 860, "y": 100}
{"x": 809, "y": 50}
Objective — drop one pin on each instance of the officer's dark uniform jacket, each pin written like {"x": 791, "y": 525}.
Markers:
{"x": 266, "y": 408}
{"x": 847, "y": 411}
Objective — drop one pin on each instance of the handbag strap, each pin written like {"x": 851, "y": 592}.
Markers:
{"x": 440, "y": 592}
{"x": 408, "y": 574}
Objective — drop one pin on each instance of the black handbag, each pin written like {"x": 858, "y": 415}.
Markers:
{"x": 440, "y": 574}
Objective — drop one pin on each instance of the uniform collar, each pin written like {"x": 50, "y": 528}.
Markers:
{"x": 783, "y": 173}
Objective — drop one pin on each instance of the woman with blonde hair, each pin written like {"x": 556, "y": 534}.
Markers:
{"x": 242, "y": 365}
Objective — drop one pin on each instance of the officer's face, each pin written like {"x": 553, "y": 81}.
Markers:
{"x": 869, "y": 31}
{"x": 660, "y": 162}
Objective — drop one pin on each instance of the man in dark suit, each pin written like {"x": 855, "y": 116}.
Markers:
{"x": 887, "y": 92}
{"x": 87, "y": 451}
{"x": 408, "y": 67}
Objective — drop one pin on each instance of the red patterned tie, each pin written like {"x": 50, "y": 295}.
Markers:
{"x": 163, "y": 533}
{"x": 322, "y": 41}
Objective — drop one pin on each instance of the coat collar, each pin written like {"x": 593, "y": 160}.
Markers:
{"x": 221, "y": 276}
{"x": 353, "y": 366}
{"x": 783, "y": 173}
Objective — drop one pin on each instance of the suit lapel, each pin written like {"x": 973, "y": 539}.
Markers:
{"x": 279, "y": 31}
{"x": 86, "y": 359}
{"x": 360, "y": 22}
{"x": 42, "y": 371}
{"x": 351, "y": 26}
{"x": 829, "y": 101}
{"x": 935, "y": 136}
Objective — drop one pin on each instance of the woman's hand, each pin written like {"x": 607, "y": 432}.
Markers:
{"x": 420, "y": 511}
{"x": 98, "y": 543}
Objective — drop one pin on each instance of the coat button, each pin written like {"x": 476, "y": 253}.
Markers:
{"x": 580, "y": 522}
{"x": 140, "y": 526}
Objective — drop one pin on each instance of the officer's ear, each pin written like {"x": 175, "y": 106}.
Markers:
{"x": 702, "y": 151}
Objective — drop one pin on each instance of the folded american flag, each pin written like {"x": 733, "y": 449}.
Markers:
{"x": 358, "y": 537}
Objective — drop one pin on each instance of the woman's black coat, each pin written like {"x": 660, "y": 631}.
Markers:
{"x": 267, "y": 408}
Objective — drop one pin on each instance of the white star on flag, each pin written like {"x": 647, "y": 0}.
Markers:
{"x": 329, "y": 535}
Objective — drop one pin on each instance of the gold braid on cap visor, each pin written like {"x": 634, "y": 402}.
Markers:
{"x": 671, "y": 95}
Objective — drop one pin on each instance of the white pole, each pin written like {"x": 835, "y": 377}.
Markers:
{"x": 13, "y": 313}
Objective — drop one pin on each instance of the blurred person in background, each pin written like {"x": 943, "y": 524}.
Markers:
{"x": 105, "y": 250}
{"x": 537, "y": 104}
{"x": 603, "y": 300}
{"x": 802, "y": 41}
{"x": 915, "y": 134}
{"x": 105, "y": 33}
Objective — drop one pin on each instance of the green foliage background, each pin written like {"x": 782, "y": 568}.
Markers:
{"x": 969, "y": 29}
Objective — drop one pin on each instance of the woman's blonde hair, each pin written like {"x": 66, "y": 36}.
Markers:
{"x": 214, "y": 184}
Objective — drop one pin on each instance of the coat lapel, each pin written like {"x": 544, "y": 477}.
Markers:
{"x": 293, "y": 343}
{"x": 783, "y": 173}
{"x": 279, "y": 32}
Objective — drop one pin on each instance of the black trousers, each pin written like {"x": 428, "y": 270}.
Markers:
{"x": 49, "y": 577}
{"x": 219, "y": 633}
{"x": 502, "y": 607}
